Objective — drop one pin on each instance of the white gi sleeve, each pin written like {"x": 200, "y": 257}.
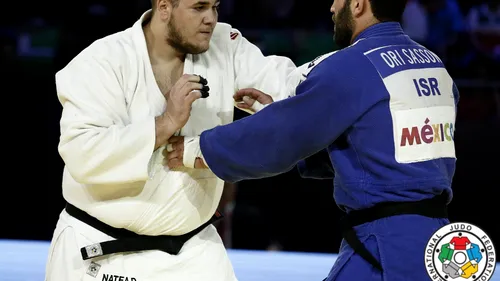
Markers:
{"x": 96, "y": 143}
{"x": 300, "y": 74}
{"x": 269, "y": 74}
{"x": 296, "y": 77}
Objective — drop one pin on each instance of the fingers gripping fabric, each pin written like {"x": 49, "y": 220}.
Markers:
{"x": 191, "y": 151}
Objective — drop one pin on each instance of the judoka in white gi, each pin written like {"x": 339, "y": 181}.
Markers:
{"x": 122, "y": 100}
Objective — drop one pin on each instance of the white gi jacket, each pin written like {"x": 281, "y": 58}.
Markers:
{"x": 110, "y": 99}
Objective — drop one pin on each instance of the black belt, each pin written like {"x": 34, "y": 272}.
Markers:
{"x": 434, "y": 208}
{"x": 128, "y": 241}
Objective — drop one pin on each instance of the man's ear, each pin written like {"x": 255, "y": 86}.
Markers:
{"x": 164, "y": 9}
{"x": 358, "y": 7}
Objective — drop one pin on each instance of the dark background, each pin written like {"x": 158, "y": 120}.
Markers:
{"x": 284, "y": 213}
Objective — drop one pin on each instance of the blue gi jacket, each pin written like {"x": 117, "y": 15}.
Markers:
{"x": 384, "y": 109}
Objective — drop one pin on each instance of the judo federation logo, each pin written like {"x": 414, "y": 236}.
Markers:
{"x": 460, "y": 251}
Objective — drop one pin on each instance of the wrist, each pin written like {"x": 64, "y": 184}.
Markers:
{"x": 164, "y": 130}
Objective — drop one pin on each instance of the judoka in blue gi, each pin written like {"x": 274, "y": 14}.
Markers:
{"x": 383, "y": 108}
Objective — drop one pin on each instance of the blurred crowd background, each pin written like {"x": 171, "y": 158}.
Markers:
{"x": 286, "y": 212}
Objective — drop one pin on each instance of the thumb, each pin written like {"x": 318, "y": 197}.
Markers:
{"x": 241, "y": 93}
{"x": 248, "y": 92}
{"x": 248, "y": 100}
{"x": 192, "y": 96}
{"x": 257, "y": 106}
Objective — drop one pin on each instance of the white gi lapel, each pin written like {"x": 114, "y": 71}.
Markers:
{"x": 204, "y": 111}
{"x": 146, "y": 77}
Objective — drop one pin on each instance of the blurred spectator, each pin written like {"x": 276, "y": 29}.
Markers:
{"x": 483, "y": 23}
{"x": 445, "y": 26}
{"x": 414, "y": 21}
{"x": 484, "y": 27}
{"x": 485, "y": 18}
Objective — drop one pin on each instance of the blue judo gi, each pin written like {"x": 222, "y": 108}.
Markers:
{"x": 384, "y": 110}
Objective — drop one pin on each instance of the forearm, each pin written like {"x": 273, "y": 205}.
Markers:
{"x": 164, "y": 129}
{"x": 268, "y": 143}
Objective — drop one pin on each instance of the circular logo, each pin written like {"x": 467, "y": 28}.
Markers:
{"x": 460, "y": 251}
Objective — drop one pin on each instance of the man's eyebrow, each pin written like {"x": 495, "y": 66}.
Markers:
{"x": 204, "y": 3}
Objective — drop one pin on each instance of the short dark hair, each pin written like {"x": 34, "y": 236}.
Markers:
{"x": 175, "y": 3}
{"x": 388, "y": 10}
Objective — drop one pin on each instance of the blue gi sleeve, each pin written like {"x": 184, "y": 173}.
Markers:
{"x": 317, "y": 166}
{"x": 275, "y": 139}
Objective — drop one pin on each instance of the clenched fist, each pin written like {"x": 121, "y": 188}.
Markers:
{"x": 181, "y": 97}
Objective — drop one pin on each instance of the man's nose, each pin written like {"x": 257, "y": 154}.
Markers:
{"x": 210, "y": 18}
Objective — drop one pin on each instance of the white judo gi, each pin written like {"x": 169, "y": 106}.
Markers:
{"x": 110, "y": 99}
